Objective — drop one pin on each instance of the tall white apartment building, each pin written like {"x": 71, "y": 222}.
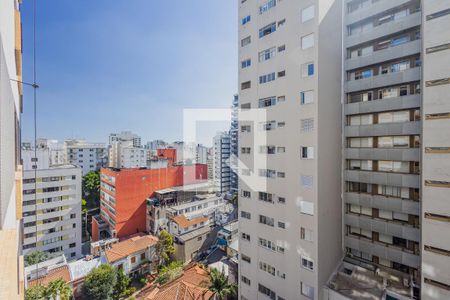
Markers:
{"x": 11, "y": 259}
{"x": 88, "y": 156}
{"x": 435, "y": 217}
{"x": 125, "y": 155}
{"x": 126, "y": 136}
{"x": 290, "y": 71}
{"x": 56, "y": 151}
{"x": 52, "y": 212}
{"x": 221, "y": 161}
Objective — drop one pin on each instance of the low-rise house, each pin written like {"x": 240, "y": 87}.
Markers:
{"x": 162, "y": 201}
{"x": 191, "y": 236}
{"x": 192, "y": 285}
{"x": 73, "y": 273}
{"x": 135, "y": 256}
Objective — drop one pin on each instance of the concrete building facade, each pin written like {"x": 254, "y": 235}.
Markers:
{"x": 11, "y": 259}
{"x": 52, "y": 213}
{"x": 290, "y": 221}
{"x": 221, "y": 161}
{"x": 435, "y": 183}
{"x": 234, "y": 144}
{"x": 88, "y": 156}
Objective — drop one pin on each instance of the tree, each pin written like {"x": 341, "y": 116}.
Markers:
{"x": 36, "y": 257}
{"x": 36, "y": 292}
{"x": 169, "y": 272}
{"x": 91, "y": 188}
{"x": 164, "y": 247}
{"x": 121, "y": 289}
{"x": 219, "y": 285}
{"x": 99, "y": 283}
{"x": 65, "y": 291}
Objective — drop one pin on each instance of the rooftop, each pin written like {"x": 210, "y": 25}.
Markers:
{"x": 183, "y": 222}
{"x": 130, "y": 246}
{"x": 53, "y": 274}
{"x": 192, "y": 285}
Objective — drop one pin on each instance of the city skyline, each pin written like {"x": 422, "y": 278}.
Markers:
{"x": 76, "y": 46}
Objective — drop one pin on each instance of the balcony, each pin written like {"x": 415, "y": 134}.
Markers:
{"x": 382, "y": 250}
{"x": 380, "y": 56}
{"x": 372, "y": 10}
{"x": 382, "y": 80}
{"x": 386, "y": 227}
{"x": 383, "y": 202}
{"x": 402, "y": 24}
{"x": 406, "y": 128}
{"x": 386, "y": 178}
{"x": 387, "y": 104}
{"x": 399, "y": 154}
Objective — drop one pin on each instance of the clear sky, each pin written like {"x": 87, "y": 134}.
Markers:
{"x": 112, "y": 65}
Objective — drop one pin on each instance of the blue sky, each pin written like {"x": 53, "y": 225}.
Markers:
{"x": 111, "y": 65}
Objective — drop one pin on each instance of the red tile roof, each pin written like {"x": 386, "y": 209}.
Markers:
{"x": 130, "y": 246}
{"x": 57, "y": 273}
{"x": 192, "y": 285}
{"x": 183, "y": 222}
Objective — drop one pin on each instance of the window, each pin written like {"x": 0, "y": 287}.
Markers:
{"x": 245, "y": 150}
{"x": 281, "y": 22}
{"x": 306, "y": 234}
{"x": 307, "y": 208}
{"x": 281, "y": 174}
{"x": 308, "y": 69}
{"x": 307, "y": 291}
{"x": 246, "y": 85}
{"x": 268, "y": 29}
{"x": 306, "y": 97}
{"x": 266, "y": 197}
{"x": 245, "y": 215}
{"x": 246, "y": 41}
{"x": 267, "y": 173}
{"x": 73, "y": 216}
{"x": 266, "y": 220}
{"x": 307, "y": 263}
{"x": 267, "y": 268}
{"x": 142, "y": 256}
{"x": 281, "y": 149}
{"x": 307, "y": 181}
{"x": 307, "y": 152}
{"x": 266, "y": 291}
{"x": 267, "y": 244}
{"x": 307, "y": 125}
{"x": 245, "y": 280}
{"x": 308, "y": 41}
{"x": 266, "y": 54}
{"x": 133, "y": 259}
{"x": 281, "y": 124}
{"x": 245, "y": 128}
{"x": 267, "y": 78}
{"x": 281, "y": 98}
{"x": 307, "y": 13}
{"x": 281, "y": 200}
{"x": 281, "y": 48}
{"x": 281, "y": 225}
{"x": 245, "y": 20}
{"x": 246, "y": 194}
{"x": 245, "y": 236}
{"x": 281, "y": 73}
{"x": 246, "y": 258}
{"x": 267, "y": 5}
{"x": 438, "y": 14}
{"x": 246, "y": 63}
{"x": 265, "y": 102}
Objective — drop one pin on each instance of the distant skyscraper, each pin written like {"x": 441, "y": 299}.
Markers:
{"x": 234, "y": 144}
{"x": 222, "y": 170}
{"x": 125, "y": 136}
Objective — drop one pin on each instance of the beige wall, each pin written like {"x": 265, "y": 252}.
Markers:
{"x": 436, "y": 166}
